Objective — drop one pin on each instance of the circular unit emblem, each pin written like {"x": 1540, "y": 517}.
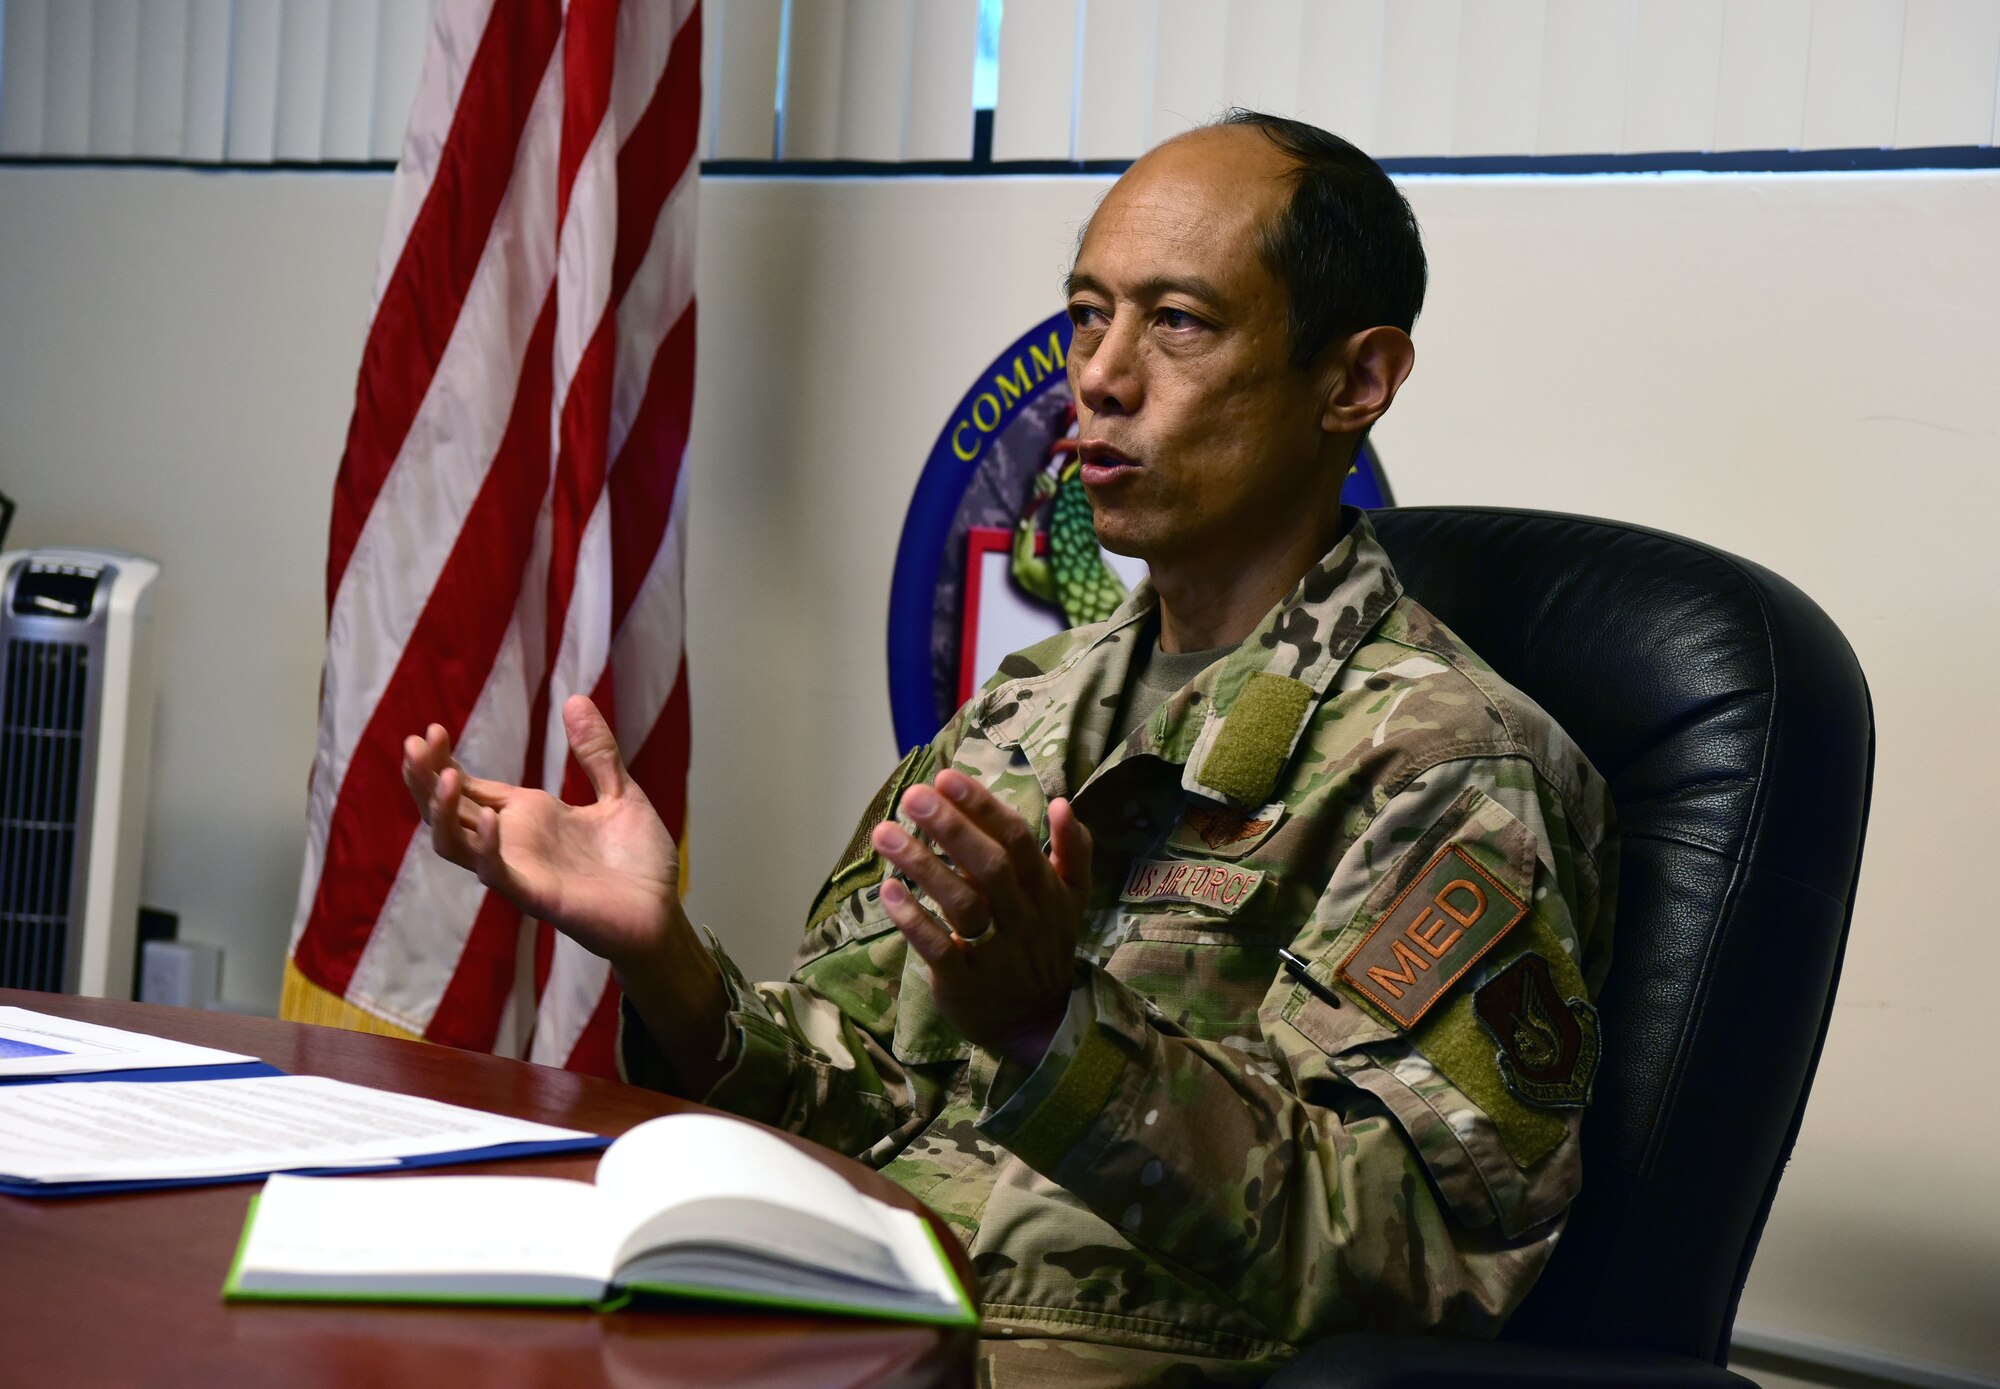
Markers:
{"x": 998, "y": 551}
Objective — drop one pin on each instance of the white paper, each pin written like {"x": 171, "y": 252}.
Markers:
{"x": 127, "y": 1131}
{"x": 35, "y": 1044}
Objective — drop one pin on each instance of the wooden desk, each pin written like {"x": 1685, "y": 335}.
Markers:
{"x": 127, "y": 1289}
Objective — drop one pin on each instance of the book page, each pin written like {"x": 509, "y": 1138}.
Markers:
{"x": 36, "y": 1044}
{"x": 436, "y": 1236}
{"x": 707, "y": 1180}
{"x": 684, "y": 1157}
{"x": 119, "y": 1130}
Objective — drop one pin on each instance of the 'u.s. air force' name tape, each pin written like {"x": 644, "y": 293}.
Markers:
{"x": 1221, "y": 886}
{"x": 1451, "y": 915}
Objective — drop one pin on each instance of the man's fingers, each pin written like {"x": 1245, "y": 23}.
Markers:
{"x": 417, "y": 775}
{"x": 995, "y": 818}
{"x": 968, "y": 911}
{"x": 930, "y": 940}
{"x": 1069, "y": 847}
{"x": 1008, "y": 882}
{"x": 596, "y": 751}
{"x": 449, "y": 836}
{"x": 425, "y": 757}
{"x": 482, "y": 830}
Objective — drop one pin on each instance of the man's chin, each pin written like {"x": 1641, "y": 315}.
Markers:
{"x": 1121, "y": 541}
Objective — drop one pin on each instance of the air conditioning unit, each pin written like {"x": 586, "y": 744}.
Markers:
{"x": 76, "y": 730}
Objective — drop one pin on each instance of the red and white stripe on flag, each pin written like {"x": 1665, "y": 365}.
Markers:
{"x": 508, "y": 523}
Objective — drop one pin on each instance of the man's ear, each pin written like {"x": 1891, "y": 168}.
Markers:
{"x": 1363, "y": 377}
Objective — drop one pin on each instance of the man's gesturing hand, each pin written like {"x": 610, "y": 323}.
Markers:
{"x": 606, "y": 874}
{"x": 1003, "y": 959}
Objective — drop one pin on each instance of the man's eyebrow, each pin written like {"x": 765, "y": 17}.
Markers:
{"x": 1149, "y": 289}
{"x": 1076, "y": 281}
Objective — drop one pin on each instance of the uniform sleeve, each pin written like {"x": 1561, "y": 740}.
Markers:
{"x": 1368, "y": 1165}
{"x": 813, "y": 1054}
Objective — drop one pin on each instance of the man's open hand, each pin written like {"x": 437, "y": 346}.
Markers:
{"x": 606, "y": 873}
{"x": 1003, "y": 958}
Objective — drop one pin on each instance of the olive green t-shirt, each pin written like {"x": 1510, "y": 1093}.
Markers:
{"x": 1156, "y": 675}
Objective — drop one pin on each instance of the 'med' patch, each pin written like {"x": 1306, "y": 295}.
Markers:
{"x": 1451, "y": 915}
{"x": 1221, "y": 887}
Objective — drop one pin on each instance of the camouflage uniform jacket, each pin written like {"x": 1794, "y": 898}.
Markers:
{"x": 1216, "y": 1159}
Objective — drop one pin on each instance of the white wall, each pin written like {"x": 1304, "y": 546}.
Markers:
{"x": 1800, "y": 369}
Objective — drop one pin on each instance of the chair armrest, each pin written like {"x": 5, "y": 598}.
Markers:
{"x": 1437, "y": 1362}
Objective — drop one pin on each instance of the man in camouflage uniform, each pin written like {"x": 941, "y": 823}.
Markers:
{"x": 1213, "y": 1024}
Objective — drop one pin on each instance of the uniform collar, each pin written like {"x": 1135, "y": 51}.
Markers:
{"x": 1233, "y": 728}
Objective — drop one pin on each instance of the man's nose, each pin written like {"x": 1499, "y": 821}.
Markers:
{"x": 1112, "y": 379}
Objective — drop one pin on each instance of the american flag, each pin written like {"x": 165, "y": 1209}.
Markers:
{"x": 508, "y": 521}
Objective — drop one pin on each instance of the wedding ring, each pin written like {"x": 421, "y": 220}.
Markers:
{"x": 985, "y": 937}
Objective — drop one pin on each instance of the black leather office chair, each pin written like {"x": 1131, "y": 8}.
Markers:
{"x": 1733, "y": 724}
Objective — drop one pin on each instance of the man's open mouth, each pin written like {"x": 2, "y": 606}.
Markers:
{"x": 1101, "y": 463}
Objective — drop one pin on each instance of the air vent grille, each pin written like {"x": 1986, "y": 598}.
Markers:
{"x": 43, "y": 704}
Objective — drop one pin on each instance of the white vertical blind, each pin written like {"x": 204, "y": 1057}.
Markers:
{"x": 1189, "y": 80}
{"x": 1671, "y": 84}
{"x": 1419, "y": 91}
{"x": 24, "y": 42}
{"x": 254, "y": 81}
{"x": 114, "y": 78}
{"x": 1587, "y": 45}
{"x": 66, "y": 97}
{"x": 350, "y": 70}
{"x": 874, "y": 79}
{"x": 205, "y": 133}
{"x": 944, "y": 38}
{"x": 743, "y": 99}
{"x": 1114, "y": 110}
{"x": 1760, "y": 98}
{"x": 1340, "y": 65}
{"x": 1499, "y": 77}
{"x": 159, "y": 116}
{"x": 1950, "y": 71}
{"x": 401, "y": 30}
{"x": 304, "y": 53}
{"x": 254, "y": 41}
{"x": 1038, "y": 80}
{"x": 1261, "y": 54}
{"x": 812, "y": 80}
{"x": 1852, "y": 70}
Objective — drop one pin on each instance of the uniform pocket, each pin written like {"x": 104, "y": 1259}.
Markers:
{"x": 1205, "y": 976}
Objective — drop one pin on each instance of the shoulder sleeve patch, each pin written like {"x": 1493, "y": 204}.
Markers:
{"x": 860, "y": 866}
{"x": 1548, "y": 1043}
{"x": 1453, "y": 913}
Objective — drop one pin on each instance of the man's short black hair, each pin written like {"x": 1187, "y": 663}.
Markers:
{"x": 1346, "y": 245}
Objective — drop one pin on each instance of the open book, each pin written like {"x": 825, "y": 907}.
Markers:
{"x": 694, "y": 1205}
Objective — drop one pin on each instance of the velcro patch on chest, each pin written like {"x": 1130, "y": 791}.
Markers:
{"x": 1444, "y": 921}
{"x": 1222, "y": 887}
